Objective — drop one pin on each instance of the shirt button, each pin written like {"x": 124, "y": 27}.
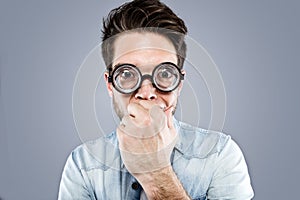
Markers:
{"x": 135, "y": 186}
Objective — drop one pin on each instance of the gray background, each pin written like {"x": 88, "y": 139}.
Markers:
{"x": 42, "y": 43}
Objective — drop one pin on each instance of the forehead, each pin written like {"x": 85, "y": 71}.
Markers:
{"x": 143, "y": 49}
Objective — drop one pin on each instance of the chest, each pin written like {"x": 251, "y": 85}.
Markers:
{"x": 194, "y": 174}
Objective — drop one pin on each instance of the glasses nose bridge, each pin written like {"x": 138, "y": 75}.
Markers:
{"x": 145, "y": 77}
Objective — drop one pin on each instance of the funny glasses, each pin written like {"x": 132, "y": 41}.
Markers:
{"x": 127, "y": 78}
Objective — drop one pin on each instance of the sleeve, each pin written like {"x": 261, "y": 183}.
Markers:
{"x": 72, "y": 184}
{"x": 231, "y": 178}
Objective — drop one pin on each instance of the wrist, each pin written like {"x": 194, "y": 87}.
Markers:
{"x": 151, "y": 178}
{"x": 162, "y": 184}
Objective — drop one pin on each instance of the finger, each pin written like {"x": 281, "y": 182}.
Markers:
{"x": 135, "y": 129}
{"x": 136, "y": 110}
{"x": 126, "y": 141}
{"x": 147, "y": 104}
{"x": 128, "y": 125}
{"x": 158, "y": 118}
{"x": 156, "y": 111}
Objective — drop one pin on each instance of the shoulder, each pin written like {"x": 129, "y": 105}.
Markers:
{"x": 95, "y": 154}
{"x": 201, "y": 143}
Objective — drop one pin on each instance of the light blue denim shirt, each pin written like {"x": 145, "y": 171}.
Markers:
{"x": 209, "y": 165}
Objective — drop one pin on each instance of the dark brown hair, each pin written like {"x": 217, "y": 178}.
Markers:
{"x": 143, "y": 15}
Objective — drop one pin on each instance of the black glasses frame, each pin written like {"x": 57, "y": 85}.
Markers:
{"x": 112, "y": 70}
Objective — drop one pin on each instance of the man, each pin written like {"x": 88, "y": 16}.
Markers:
{"x": 158, "y": 157}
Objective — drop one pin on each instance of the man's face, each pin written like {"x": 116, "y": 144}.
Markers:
{"x": 146, "y": 51}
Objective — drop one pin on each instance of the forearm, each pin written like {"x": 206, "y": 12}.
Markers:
{"x": 162, "y": 184}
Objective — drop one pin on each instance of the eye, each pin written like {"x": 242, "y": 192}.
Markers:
{"x": 166, "y": 77}
{"x": 165, "y": 74}
{"x": 126, "y": 74}
{"x": 126, "y": 77}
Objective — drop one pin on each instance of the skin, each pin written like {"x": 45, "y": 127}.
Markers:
{"x": 146, "y": 146}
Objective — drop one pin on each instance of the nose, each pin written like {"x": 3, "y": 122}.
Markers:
{"x": 146, "y": 91}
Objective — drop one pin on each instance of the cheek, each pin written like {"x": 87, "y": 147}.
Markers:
{"x": 121, "y": 100}
{"x": 171, "y": 98}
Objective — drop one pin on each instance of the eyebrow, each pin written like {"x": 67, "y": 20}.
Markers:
{"x": 138, "y": 66}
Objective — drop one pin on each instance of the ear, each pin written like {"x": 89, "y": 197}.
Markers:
{"x": 109, "y": 86}
{"x": 181, "y": 83}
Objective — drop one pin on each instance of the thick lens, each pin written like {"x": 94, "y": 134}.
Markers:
{"x": 126, "y": 78}
{"x": 166, "y": 77}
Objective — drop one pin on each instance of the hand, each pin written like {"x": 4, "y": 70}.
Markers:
{"x": 146, "y": 137}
